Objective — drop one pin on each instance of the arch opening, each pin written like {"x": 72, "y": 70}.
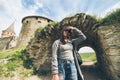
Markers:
{"x": 90, "y": 66}
{"x": 88, "y": 55}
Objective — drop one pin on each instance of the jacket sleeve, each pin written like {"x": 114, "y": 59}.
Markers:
{"x": 80, "y": 36}
{"x": 54, "y": 58}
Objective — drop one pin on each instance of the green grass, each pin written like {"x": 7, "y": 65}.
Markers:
{"x": 39, "y": 30}
{"x": 88, "y": 57}
{"x": 52, "y": 23}
{"x": 8, "y": 53}
{"x": 112, "y": 18}
{"x": 15, "y": 61}
{"x": 12, "y": 63}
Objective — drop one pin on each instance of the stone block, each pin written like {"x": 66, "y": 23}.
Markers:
{"x": 114, "y": 58}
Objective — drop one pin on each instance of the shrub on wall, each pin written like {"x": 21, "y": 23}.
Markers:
{"x": 112, "y": 18}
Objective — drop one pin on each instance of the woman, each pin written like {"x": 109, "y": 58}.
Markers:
{"x": 63, "y": 63}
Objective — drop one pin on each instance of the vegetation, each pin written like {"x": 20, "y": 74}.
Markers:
{"x": 52, "y": 23}
{"x": 112, "y": 18}
{"x": 10, "y": 52}
{"x": 38, "y": 30}
{"x": 89, "y": 57}
{"x": 12, "y": 61}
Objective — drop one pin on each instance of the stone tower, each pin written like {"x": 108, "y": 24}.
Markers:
{"x": 9, "y": 31}
{"x": 29, "y": 26}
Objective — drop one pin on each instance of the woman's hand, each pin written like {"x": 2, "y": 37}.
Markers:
{"x": 55, "y": 77}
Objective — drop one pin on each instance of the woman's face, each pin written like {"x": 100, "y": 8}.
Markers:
{"x": 65, "y": 33}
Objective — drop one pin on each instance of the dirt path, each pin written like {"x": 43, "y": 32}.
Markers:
{"x": 91, "y": 72}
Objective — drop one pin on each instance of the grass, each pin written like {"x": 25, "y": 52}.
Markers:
{"x": 88, "y": 57}
{"x": 52, "y": 23}
{"x": 39, "y": 30}
{"x": 112, "y": 18}
{"x": 13, "y": 61}
{"x": 8, "y": 53}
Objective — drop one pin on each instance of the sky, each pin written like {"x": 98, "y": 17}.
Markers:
{"x": 15, "y": 10}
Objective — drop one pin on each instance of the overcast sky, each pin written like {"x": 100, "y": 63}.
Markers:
{"x": 14, "y": 10}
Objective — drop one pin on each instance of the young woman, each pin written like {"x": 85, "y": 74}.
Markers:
{"x": 63, "y": 63}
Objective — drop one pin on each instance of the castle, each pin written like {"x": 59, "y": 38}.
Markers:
{"x": 8, "y": 39}
{"x": 104, "y": 39}
{"x": 9, "y": 31}
{"x": 29, "y": 26}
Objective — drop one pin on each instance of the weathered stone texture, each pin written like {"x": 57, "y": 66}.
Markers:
{"x": 29, "y": 26}
{"x": 110, "y": 39}
{"x": 105, "y": 40}
{"x": 39, "y": 48}
{"x": 7, "y": 42}
{"x": 40, "y": 51}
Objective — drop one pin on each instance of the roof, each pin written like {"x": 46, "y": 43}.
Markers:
{"x": 10, "y": 28}
{"x": 35, "y": 17}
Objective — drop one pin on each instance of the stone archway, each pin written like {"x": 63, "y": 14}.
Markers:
{"x": 88, "y": 55}
{"x": 39, "y": 49}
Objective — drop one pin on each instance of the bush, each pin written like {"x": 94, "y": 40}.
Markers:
{"x": 12, "y": 65}
{"x": 13, "y": 60}
{"x": 38, "y": 30}
{"x": 112, "y": 18}
{"x": 28, "y": 63}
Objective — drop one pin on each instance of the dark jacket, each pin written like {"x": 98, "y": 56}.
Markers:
{"x": 80, "y": 75}
{"x": 81, "y": 37}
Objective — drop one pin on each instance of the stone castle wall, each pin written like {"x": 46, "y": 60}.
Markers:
{"x": 29, "y": 26}
{"x": 7, "y": 43}
{"x": 110, "y": 40}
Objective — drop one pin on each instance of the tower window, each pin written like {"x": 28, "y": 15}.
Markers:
{"x": 48, "y": 20}
{"x": 39, "y": 21}
{"x": 27, "y": 21}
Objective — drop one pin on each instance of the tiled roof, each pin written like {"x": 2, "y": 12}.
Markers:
{"x": 10, "y": 28}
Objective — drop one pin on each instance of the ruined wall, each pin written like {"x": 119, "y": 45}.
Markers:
{"x": 109, "y": 37}
{"x": 7, "y": 34}
{"x": 29, "y": 26}
{"x": 99, "y": 38}
{"x": 7, "y": 43}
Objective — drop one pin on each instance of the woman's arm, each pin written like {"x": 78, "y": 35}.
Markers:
{"x": 54, "y": 57}
{"x": 55, "y": 61}
{"x": 80, "y": 36}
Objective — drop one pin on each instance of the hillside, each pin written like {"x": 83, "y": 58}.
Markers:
{"x": 32, "y": 61}
{"x": 12, "y": 65}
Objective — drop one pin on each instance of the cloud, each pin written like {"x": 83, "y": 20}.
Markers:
{"x": 15, "y": 11}
{"x": 57, "y": 9}
{"x": 86, "y": 50}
